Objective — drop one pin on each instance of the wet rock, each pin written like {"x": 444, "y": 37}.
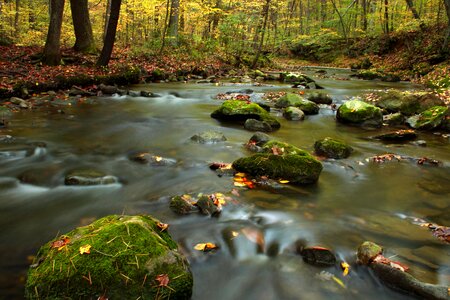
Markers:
{"x": 290, "y": 99}
{"x": 207, "y": 206}
{"x": 7, "y": 183}
{"x": 295, "y": 168}
{"x": 320, "y": 98}
{"x": 20, "y": 102}
{"x": 368, "y": 251}
{"x": 150, "y": 159}
{"x": 408, "y": 103}
{"x": 108, "y": 89}
{"x": 182, "y": 205}
{"x": 318, "y": 256}
{"x": 259, "y": 138}
{"x": 240, "y": 111}
{"x": 243, "y": 91}
{"x": 149, "y": 94}
{"x": 6, "y": 139}
{"x": 360, "y": 113}
{"x": 402, "y": 281}
{"x": 255, "y": 125}
{"x": 89, "y": 177}
{"x": 420, "y": 143}
{"x": 332, "y": 148}
{"x": 131, "y": 246}
{"x": 76, "y": 91}
{"x": 39, "y": 176}
{"x": 294, "y": 114}
{"x": 209, "y": 137}
{"x": 393, "y": 119}
{"x": 295, "y": 78}
{"x": 281, "y": 148}
{"x": 397, "y": 136}
{"x": 430, "y": 119}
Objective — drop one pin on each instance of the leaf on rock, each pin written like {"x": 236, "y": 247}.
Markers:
{"x": 394, "y": 264}
{"x": 205, "y": 247}
{"x": 162, "y": 226}
{"x": 60, "y": 244}
{"x": 163, "y": 280}
{"x": 86, "y": 249}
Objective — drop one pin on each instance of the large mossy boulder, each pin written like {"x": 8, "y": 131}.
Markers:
{"x": 408, "y": 103}
{"x": 430, "y": 119}
{"x": 290, "y": 99}
{"x": 127, "y": 256}
{"x": 240, "y": 111}
{"x": 357, "y": 112}
{"x": 332, "y": 148}
{"x": 295, "y": 168}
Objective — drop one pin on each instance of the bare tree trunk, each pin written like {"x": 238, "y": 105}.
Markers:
{"x": 173, "y": 22}
{"x": 445, "y": 46}
{"x": 386, "y": 16}
{"x": 415, "y": 13}
{"x": 364, "y": 15}
{"x": 165, "y": 28}
{"x": 110, "y": 36}
{"x": 52, "y": 51}
{"x": 106, "y": 19}
{"x": 265, "y": 15}
{"x": 16, "y": 19}
{"x": 82, "y": 26}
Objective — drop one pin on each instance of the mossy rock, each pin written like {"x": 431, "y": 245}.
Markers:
{"x": 209, "y": 137}
{"x": 295, "y": 168}
{"x": 89, "y": 177}
{"x": 293, "y": 114}
{"x": 182, "y": 205}
{"x": 408, "y": 103}
{"x": 127, "y": 254}
{"x": 429, "y": 119}
{"x": 320, "y": 98}
{"x": 394, "y": 119}
{"x": 357, "y": 112}
{"x": 284, "y": 148}
{"x": 290, "y": 99}
{"x": 332, "y": 148}
{"x": 367, "y": 251}
{"x": 240, "y": 111}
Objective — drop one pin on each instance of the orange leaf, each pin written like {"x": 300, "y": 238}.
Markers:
{"x": 163, "y": 280}
{"x": 61, "y": 243}
{"x": 162, "y": 226}
{"x": 205, "y": 247}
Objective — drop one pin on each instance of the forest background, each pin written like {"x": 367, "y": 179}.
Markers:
{"x": 388, "y": 39}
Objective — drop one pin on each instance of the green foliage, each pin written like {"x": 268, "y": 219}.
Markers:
{"x": 324, "y": 46}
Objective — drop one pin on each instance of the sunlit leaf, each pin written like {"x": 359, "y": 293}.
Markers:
{"x": 345, "y": 267}
{"x": 338, "y": 281}
{"x": 86, "y": 249}
{"x": 205, "y": 247}
{"x": 162, "y": 226}
{"x": 61, "y": 243}
{"x": 284, "y": 181}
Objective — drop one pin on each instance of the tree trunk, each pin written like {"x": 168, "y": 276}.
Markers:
{"x": 445, "y": 46}
{"x": 16, "y": 19}
{"x": 106, "y": 19}
{"x": 386, "y": 16}
{"x": 364, "y": 15}
{"x": 415, "y": 13}
{"x": 31, "y": 15}
{"x": 82, "y": 26}
{"x": 173, "y": 22}
{"x": 265, "y": 14}
{"x": 110, "y": 36}
{"x": 52, "y": 51}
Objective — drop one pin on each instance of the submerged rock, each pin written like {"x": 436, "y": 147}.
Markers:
{"x": 240, "y": 111}
{"x": 430, "y": 119}
{"x": 125, "y": 257}
{"x": 89, "y": 177}
{"x": 259, "y": 138}
{"x": 320, "y": 98}
{"x": 295, "y": 168}
{"x": 209, "y": 137}
{"x": 397, "y": 136}
{"x": 357, "y": 112}
{"x": 207, "y": 206}
{"x": 332, "y": 148}
{"x": 318, "y": 256}
{"x": 150, "y": 159}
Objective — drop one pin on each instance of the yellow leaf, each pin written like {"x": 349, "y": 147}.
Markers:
{"x": 284, "y": 181}
{"x": 345, "y": 267}
{"x": 240, "y": 175}
{"x": 157, "y": 158}
{"x": 239, "y": 184}
{"x": 338, "y": 281}
{"x": 234, "y": 234}
{"x": 86, "y": 249}
{"x": 205, "y": 247}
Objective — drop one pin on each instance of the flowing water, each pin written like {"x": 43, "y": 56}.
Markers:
{"x": 354, "y": 200}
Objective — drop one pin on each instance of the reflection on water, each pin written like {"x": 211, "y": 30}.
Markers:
{"x": 258, "y": 232}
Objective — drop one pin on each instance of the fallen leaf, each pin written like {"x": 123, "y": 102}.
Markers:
{"x": 345, "y": 267}
{"x": 235, "y": 192}
{"x": 163, "y": 280}
{"x": 61, "y": 243}
{"x": 338, "y": 281}
{"x": 283, "y": 181}
{"x": 162, "y": 226}
{"x": 86, "y": 249}
{"x": 205, "y": 247}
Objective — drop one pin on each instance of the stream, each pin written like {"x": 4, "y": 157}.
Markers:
{"x": 355, "y": 199}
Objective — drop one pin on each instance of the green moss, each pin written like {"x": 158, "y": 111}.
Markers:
{"x": 331, "y": 148}
{"x": 127, "y": 254}
{"x": 284, "y": 147}
{"x": 292, "y": 167}
{"x": 359, "y": 113}
{"x": 429, "y": 119}
{"x": 367, "y": 251}
{"x": 290, "y": 99}
{"x": 236, "y": 110}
